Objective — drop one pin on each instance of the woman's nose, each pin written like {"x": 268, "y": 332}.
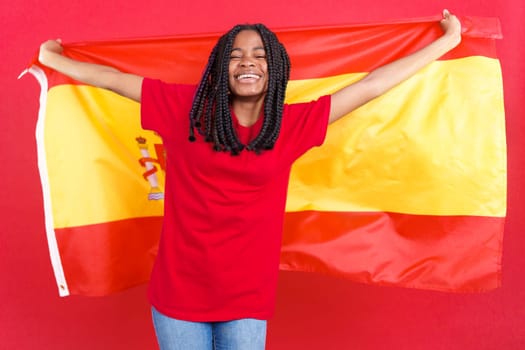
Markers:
{"x": 247, "y": 62}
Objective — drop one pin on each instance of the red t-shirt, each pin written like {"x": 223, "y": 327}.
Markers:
{"x": 218, "y": 255}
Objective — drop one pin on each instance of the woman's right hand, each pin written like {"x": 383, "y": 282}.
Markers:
{"x": 106, "y": 77}
{"x": 47, "y": 48}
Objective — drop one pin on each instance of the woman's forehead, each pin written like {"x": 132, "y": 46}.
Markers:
{"x": 248, "y": 37}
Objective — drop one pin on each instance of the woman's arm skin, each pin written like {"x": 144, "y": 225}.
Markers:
{"x": 386, "y": 77}
{"x": 344, "y": 101}
{"x": 125, "y": 84}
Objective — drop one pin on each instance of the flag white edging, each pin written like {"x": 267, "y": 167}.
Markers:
{"x": 42, "y": 167}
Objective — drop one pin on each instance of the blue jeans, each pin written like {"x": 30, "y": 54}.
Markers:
{"x": 243, "y": 334}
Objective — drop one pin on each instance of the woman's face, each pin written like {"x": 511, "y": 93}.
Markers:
{"x": 248, "y": 70}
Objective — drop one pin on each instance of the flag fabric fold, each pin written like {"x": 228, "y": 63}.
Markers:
{"x": 408, "y": 190}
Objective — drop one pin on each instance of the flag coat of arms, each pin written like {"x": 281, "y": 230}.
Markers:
{"x": 408, "y": 190}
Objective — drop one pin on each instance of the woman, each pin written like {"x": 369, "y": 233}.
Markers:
{"x": 214, "y": 280}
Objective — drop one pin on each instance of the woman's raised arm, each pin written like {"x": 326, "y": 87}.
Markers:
{"x": 386, "y": 77}
{"x": 125, "y": 84}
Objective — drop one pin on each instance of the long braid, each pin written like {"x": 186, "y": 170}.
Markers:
{"x": 210, "y": 113}
{"x": 279, "y": 73}
{"x": 283, "y": 75}
{"x": 224, "y": 126}
{"x": 199, "y": 101}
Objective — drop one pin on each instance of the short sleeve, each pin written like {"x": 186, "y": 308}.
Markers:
{"x": 162, "y": 104}
{"x": 305, "y": 124}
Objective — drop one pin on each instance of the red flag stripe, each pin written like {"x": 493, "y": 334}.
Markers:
{"x": 340, "y": 50}
{"x": 92, "y": 267}
{"x": 440, "y": 255}
{"x": 318, "y": 238}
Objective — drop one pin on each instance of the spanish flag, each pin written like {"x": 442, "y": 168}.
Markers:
{"x": 408, "y": 190}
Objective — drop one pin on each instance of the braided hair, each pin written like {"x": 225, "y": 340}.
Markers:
{"x": 210, "y": 113}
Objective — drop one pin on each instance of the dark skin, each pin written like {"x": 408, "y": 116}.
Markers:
{"x": 248, "y": 76}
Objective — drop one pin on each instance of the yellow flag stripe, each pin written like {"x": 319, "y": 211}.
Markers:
{"x": 94, "y": 174}
{"x": 434, "y": 145}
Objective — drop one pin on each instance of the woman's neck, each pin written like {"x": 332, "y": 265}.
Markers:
{"x": 247, "y": 112}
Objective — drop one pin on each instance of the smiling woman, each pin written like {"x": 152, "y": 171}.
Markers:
{"x": 247, "y": 73}
{"x": 248, "y": 76}
{"x": 217, "y": 264}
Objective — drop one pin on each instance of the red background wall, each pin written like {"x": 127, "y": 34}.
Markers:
{"x": 313, "y": 312}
